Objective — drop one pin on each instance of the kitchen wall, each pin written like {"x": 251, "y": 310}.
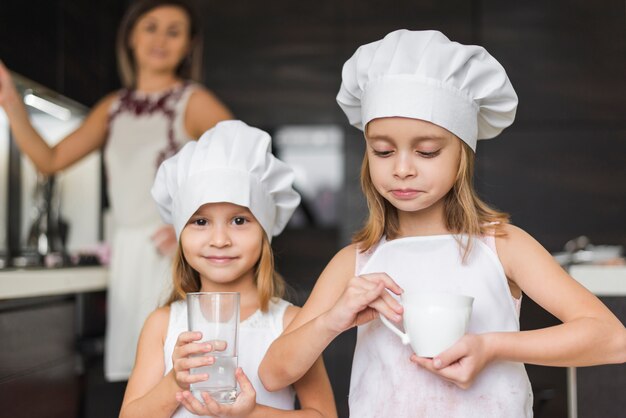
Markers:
{"x": 279, "y": 63}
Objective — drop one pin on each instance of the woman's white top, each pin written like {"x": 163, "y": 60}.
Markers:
{"x": 385, "y": 383}
{"x": 256, "y": 333}
{"x": 144, "y": 129}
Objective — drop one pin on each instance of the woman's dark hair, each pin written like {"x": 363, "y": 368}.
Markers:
{"x": 189, "y": 68}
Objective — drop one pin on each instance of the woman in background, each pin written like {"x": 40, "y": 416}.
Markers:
{"x": 159, "y": 109}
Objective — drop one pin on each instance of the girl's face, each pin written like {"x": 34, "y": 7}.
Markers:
{"x": 222, "y": 242}
{"x": 413, "y": 163}
{"x": 160, "y": 39}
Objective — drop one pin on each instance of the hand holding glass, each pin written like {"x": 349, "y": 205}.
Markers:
{"x": 216, "y": 316}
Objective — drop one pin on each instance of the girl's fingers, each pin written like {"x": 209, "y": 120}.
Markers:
{"x": 191, "y": 403}
{"x": 193, "y": 348}
{"x": 192, "y": 378}
{"x": 187, "y": 337}
{"x": 383, "y": 308}
{"x": 244, "y": 383}
{"x": 219, "y": 345}
{"x": 388, "y": 281}
{"x": 449, "y": 356}
{"x": 186, "y": 363}
{"x": 392, "y": 302}
{"x": 210, "y": 405}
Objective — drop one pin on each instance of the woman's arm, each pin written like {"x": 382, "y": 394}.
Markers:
{"x": 338, "y": 302}
{"x": 87, "y": 138}
{"x": 203, "y": 112}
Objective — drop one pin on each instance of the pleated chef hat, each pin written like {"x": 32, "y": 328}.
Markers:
{"x": 231, "y": 162}
{"x": 424, "y": 75}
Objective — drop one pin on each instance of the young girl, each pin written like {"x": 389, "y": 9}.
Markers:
{"x": 226, "y": 196}
{"x": 423, "y": 101}
{"x": 159, "y": 109}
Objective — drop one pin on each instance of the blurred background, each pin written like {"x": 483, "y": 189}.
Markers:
{"x": 559, "y": 171}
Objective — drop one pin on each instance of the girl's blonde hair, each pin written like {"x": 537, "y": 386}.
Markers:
{"x": 464, "y": 212}
{"x": 268, "y": 282}
{"x": 189, "y": 68}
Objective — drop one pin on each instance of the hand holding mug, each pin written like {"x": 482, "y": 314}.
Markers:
{"x": 363, "y": 299}
{"x": 433, "y": 321}
{"x": 461, "y": 363}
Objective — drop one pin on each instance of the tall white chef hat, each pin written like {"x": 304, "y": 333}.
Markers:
{"x": 424, "y": 75}
{"x": 231, "y": 162}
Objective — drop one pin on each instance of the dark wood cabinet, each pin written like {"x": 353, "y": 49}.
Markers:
{"x": 38, "y": 358}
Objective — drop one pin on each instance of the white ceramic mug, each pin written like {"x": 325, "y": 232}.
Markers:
{"x": 433, "y": 321}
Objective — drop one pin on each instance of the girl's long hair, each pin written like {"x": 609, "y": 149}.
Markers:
{"x": 189, "y": 68}
{"x": 465, "y": 213}
{"x": 268, "y": 282}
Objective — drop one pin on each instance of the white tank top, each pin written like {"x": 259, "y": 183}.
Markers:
{"x": 384, "y": 383}
{"x": 256, "y": 334}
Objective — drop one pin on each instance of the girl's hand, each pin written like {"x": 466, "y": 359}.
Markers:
{"x": 363, "y": 299}
{"x": 242, "y": 407}
{"x": 185, "y": 346}
{"x": 8, "y": 92}
{"x": 164, "y": 240}
{"x": 461, "y": 363}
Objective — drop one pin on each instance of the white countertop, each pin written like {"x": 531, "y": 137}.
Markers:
{"x": 601, "y": 280}
{"x": 23, "y": 283}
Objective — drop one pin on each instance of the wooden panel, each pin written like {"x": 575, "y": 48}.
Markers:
{"x": 24, "y": 47}
{"x": 567, "y": 60}
{"x": 50, "y": 392}
{"x": 285, "y": 67}
{"x": 36, "y": 337}
{"x": 38, "y": 363}
{"x": 558, "y": 184}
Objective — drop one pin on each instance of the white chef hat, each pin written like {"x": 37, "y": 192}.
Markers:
{"x": 232, "y": 162}
{"x": 424, "y": 75}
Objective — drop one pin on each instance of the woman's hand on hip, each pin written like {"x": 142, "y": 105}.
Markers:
{"x": 165, "y": 241}
{"x": 461, "y": 363}
{"x": 363, "y": 299}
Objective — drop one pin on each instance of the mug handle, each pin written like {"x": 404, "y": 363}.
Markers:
{"x": 404, "y": 337}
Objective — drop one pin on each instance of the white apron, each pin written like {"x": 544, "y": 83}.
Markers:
{"x": 384, "y": 383}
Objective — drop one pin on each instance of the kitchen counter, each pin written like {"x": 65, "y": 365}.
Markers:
{"x": 601, "y": 280}
{"x": 34, "y": 282}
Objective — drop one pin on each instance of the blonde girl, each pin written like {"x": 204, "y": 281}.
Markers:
{"x": 423, "y": 102}
{"x": 226, "y": 196}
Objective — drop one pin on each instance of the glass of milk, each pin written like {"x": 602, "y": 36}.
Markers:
{"x": 216, "y": 316}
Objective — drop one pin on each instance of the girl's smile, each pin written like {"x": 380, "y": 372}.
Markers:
{"x": 222, "y": 242}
